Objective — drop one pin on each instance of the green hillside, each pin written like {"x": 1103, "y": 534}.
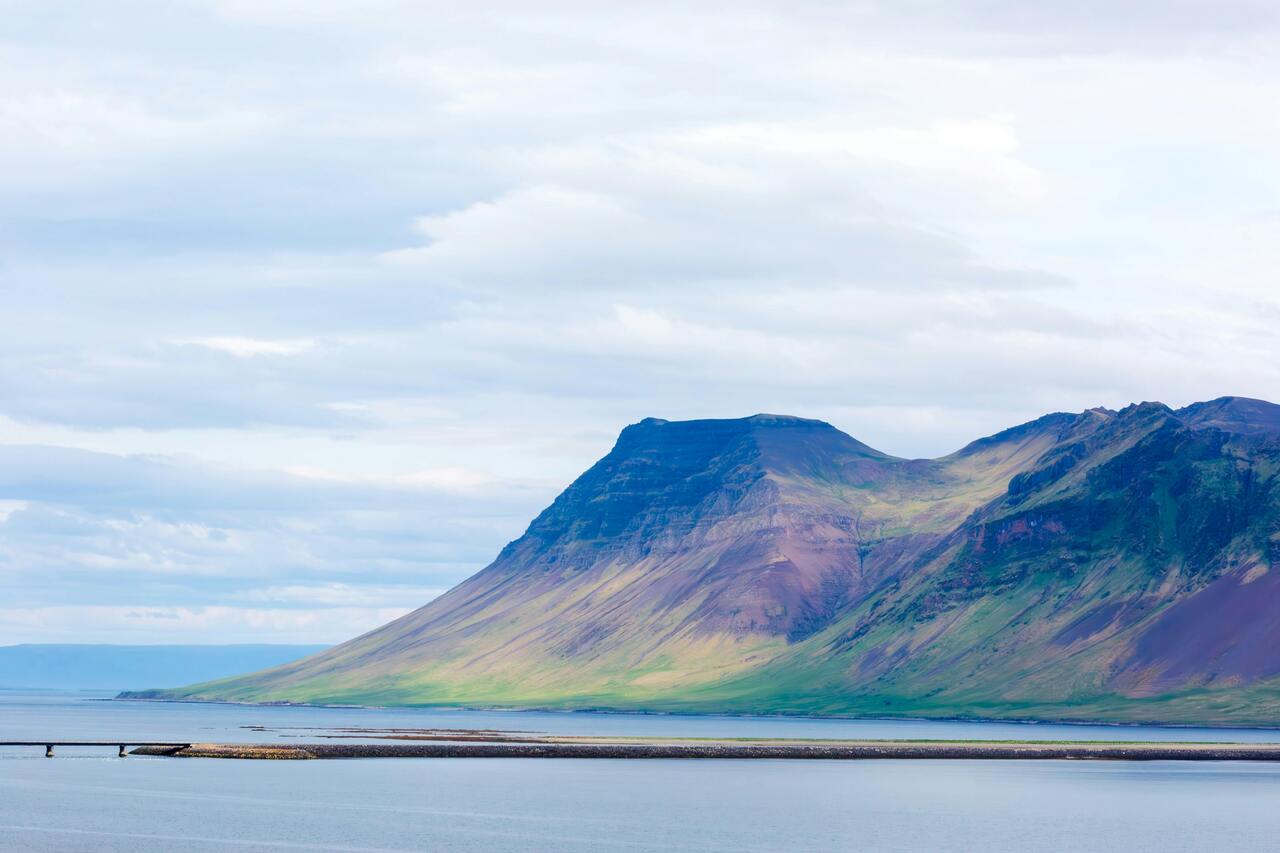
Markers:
{"x": 1103, "y": 565}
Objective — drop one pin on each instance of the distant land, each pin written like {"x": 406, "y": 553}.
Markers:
{"x": 109, "y": 667}
{"x": 1102, "y": 565}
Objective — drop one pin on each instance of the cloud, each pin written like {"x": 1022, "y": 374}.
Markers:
{"x": 978, "y": 154}
{"x": 151, "y": 538}
{"x": 317, "y": 299}
{"x": 104, "y": 137}
{"x": 972, "y": 25}
{"x": 341, "y": 594}
{"x": 152, "y": 625}
{"x": 248, "y": 347}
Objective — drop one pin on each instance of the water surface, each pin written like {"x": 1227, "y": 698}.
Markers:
{"x": 90, "y": 800}
{"x": 88, "y": 715}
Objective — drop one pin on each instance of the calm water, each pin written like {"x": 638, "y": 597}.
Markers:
{"x": 90, "y": 800}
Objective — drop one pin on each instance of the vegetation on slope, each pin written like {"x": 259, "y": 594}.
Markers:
{"x": 1105, "y": 565}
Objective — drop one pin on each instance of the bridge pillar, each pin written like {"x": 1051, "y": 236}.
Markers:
{"x": 123, "y": 753}
{"x": 48, "y": 750}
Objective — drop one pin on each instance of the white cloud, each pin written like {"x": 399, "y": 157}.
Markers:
{"x": 346, "y": 595}
{"x": 979, "y": 154}
{"x": 67, "y": 138}
{"x": 150, "y": 625}
{"x": 248, "y": 347}
{"x": 451, "y": 478}
{"x": 535, "y": 231}
{"x": 331, "y": 298}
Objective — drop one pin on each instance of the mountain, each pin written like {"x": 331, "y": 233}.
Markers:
{"x": 111, "y": 667}
{"x": 1108, "y": 565}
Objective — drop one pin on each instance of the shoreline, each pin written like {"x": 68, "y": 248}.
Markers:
{"x": 639, "y": 712}
{"x": 845, "y": 751}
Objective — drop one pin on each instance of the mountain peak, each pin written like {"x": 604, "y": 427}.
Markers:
{"x": 765, "y": 419}
{"x": 773, "y": 563}
{"x": 1051, "y": 423}
{"x": 1241, "y": 415}
{"x": 780, "y": 440}
{"x": 762, "y": 419}
{"x": 1147, "y": 408}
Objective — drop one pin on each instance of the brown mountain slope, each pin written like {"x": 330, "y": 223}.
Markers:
{"x": 774, "y": 563}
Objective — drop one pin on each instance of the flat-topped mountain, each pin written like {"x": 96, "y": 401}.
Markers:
{"x": 1116, "y": 565}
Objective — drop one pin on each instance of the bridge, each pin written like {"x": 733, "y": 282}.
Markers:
{"x": 121, "y": 745}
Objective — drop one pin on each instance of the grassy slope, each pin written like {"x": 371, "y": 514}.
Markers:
{"x": 972, "y": 631}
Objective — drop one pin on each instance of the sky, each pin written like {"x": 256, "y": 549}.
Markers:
{"x": 307, "y": 308}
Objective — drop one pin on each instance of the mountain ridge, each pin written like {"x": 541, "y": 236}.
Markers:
{"x": 776, "y": 564}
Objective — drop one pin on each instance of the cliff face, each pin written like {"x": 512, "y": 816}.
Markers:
{"x": 1104, "y": 564}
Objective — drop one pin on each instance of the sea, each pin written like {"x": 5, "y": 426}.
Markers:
{"x": 88, "y": 799}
